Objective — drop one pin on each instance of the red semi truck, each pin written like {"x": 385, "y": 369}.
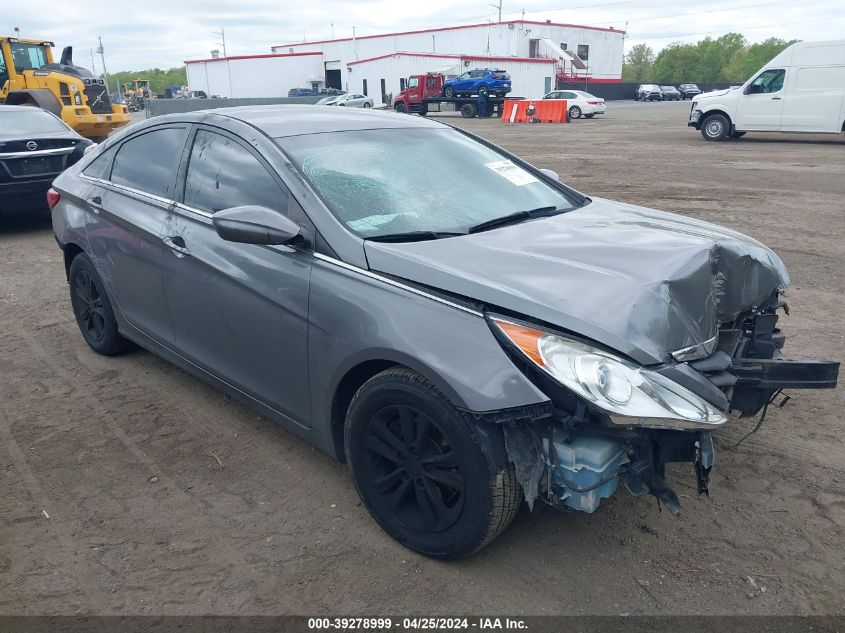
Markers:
{"x": 424, "y": 94}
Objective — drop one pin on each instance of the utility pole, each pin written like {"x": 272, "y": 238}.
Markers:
{"x": 222, "y": 34}
{"x": 103, "y": 59}
{"x": 499, "y": 7}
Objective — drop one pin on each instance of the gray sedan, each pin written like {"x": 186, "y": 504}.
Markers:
{"x": 461, "y": 328}
{"x": 351, "y": 101}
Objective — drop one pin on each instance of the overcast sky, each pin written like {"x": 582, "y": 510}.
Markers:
{"x": 142, "y": 34}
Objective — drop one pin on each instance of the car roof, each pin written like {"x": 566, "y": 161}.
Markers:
{"x": 293, "y": 120}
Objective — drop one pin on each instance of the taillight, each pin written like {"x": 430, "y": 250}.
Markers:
{"x": 53, "y": 198}
{"x": 595, "y": 102}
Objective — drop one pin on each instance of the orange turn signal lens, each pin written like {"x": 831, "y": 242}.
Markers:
{"x": 525, "y": 338}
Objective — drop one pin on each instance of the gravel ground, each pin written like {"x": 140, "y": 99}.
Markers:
{"x": 131, "y": 488}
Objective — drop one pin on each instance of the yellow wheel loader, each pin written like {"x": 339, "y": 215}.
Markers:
{"x": 28, "y": 76}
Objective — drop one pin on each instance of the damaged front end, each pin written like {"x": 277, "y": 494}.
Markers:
{"x": 612, "y": 421}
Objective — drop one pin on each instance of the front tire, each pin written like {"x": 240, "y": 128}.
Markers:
{"x": 420, "y": 468}
{"x": 92, "y": 309}
{"x": 574, "y": 112}
{"x": 400, "y": 108}
{"x": 715, "y": 127}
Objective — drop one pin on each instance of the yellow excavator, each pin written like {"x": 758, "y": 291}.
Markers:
{"x": 28, "y": 76}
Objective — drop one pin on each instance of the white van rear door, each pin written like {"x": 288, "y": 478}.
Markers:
{"x": 814, "y": 99}
{"x": 761, "y": 102}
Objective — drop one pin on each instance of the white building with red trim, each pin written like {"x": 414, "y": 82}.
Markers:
{"x": 535, "y": 54}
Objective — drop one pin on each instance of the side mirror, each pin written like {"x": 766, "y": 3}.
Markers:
{"x": 254, "y": 224}
{"x": 753, "y": 89}
{"x": 551, "y": 174}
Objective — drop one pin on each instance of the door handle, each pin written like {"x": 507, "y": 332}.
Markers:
{"x": 177, "y": 243}
{"x": 96, "y": 204}
{"x": 776, "y": 98}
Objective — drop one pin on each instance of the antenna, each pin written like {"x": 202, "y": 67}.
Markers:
{"x": 222, "y": 34}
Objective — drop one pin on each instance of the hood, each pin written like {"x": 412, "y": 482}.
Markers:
{"x": 714, "y": 93}
{"x": 642, "y": 282}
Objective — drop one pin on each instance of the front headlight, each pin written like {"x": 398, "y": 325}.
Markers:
{"x": 633, "y": 395}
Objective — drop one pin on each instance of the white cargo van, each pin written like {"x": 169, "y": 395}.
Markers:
{"x": 800, "y": 90}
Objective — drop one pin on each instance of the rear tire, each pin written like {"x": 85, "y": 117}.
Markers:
{"x": 420, "y": 468}
{"x": 92, "y": 309}
{"x": 574, "y": 112}
{"x": 367, "y": 105}
{"x": 468, "y": 110}
{"x": 589, "y": 116}
{"x": 448, "y": 92}
{"x": 484, "y": 90}
{"x": 715, "y": 127}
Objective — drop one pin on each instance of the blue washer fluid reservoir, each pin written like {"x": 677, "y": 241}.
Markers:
{"x": 586, "y": 463}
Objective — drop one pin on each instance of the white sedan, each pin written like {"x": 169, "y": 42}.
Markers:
{"x": 352, "y": 101}
{"x": 580, "y": 103}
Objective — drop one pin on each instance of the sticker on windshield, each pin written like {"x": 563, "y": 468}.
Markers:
{"x": 517, "y": 175}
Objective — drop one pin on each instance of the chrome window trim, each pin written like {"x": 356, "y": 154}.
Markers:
{"x": 58, "y": 151}
{"x": 395, "y": 284}
{"x": 190, "y": 209}
{"x": 125, "y": 189}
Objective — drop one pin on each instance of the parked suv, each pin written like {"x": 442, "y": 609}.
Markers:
{"x": 648, "y": 92}
{"x": 688, "y": 91}
{"x": 670, "y": 93}
{"x": 485, "y": 81}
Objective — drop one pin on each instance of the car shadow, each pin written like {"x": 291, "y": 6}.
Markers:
{"x": 22, "y": 224}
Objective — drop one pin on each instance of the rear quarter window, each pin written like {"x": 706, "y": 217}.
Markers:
{"x": 100, "y": 167}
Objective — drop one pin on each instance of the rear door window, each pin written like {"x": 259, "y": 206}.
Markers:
{"x": 148, "y": 162}
{"x": 222, "y": 174}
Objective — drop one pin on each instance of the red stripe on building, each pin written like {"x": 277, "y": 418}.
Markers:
{"x": 223, "y": 59}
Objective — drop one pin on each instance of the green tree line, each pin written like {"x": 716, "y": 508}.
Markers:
{"x": 729, "y": 58}
{"x": 159, "y": 79}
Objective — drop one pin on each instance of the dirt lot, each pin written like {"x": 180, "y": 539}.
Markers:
{"x": 129, "y": 487}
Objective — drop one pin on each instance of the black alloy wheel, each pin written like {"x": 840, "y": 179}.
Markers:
{"x": 423, "y": 470}
{"x": 412, "y": 469}
{"x": 93, "y": 310}
{"x": 89, "y": 305}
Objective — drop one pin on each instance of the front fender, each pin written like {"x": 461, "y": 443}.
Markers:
{"x": 355, "y": 318}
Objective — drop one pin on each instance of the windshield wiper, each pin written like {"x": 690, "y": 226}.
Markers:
{"x": 413, "y": 236}
{"x": 513, "y": 218}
